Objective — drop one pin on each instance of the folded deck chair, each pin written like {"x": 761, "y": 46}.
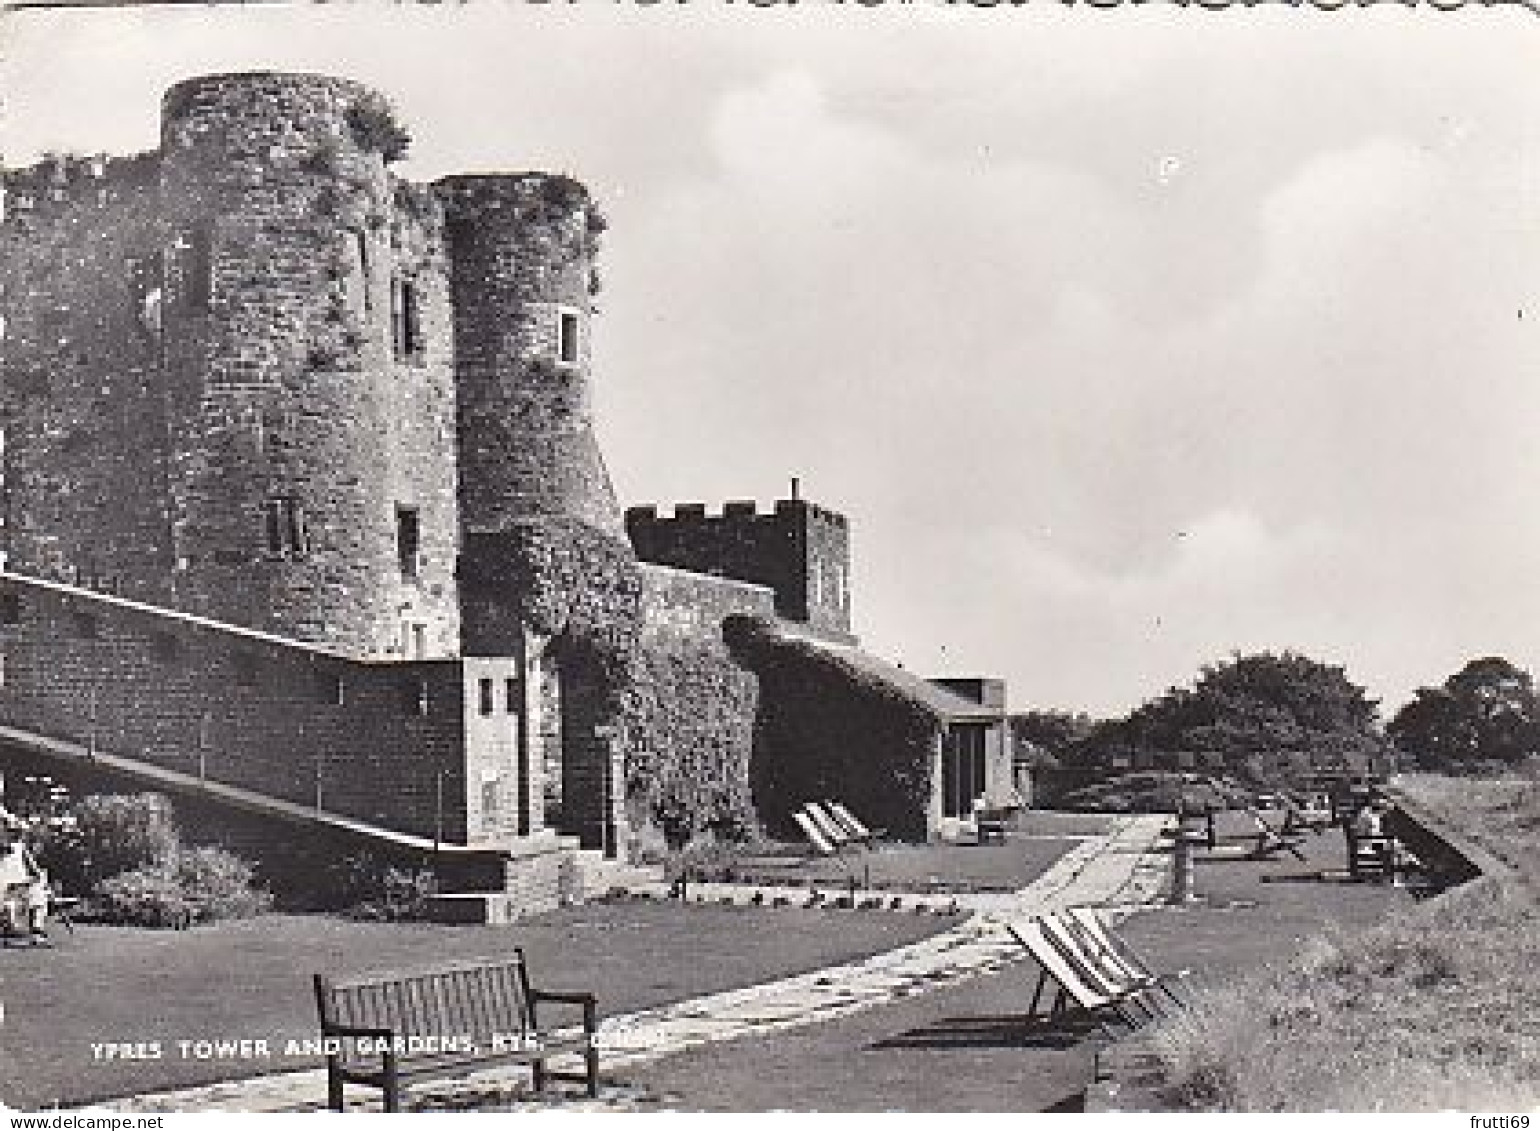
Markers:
{"x": 834, "y": 832}
{"x": 1271, "y": 841}
{"x": 815, "y": 835}
{"x": 852, "y": 824}
{"x": 1065, "y": 976}
{"x": 1109, "y": 942}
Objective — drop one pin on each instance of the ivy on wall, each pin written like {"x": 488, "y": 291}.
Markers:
{"x": 569, "y": 579}
{"x": 829, "y": 730}
{"x": 687, "y": 719}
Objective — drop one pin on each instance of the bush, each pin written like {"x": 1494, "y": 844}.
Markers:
{"x": 219, "y": 885}
{"x": 199, "y": 885}
{"x": 372, "y": 122}
{"x": 113, "y": 833}
{"x": 150, "y": 896}
{"x": 376, "y": 891}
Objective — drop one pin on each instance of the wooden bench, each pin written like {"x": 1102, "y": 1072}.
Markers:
{"x": 385, "y": 1030}
{"x": 991, "y": 825}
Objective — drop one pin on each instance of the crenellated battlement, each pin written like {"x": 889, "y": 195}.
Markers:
{"x": 736, "y": 510}
{"x": 64, "y": 185}
{"x": 800, "y": 549}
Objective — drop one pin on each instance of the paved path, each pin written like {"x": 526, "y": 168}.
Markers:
{"x": 1119, "y": 871}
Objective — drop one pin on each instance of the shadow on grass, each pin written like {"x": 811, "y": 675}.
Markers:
{"x": 1015, "y": 1031}
{"x": 1072, "y": 1104}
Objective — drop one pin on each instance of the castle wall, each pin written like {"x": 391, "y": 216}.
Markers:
{"x": 256, "y": 378}
{"x": 86, "y": 440}
{"x": 800, "y": 550}
{"x": 247, "y": 710}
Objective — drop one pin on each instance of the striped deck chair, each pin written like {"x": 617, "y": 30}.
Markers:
{"x": 852, "y": 824}
{"x": 1101, "y": 969}
{"x": 1271, "y": 841}
{"x": 815, "y": 835}
{"x": 833, "y": 831}
{"x": 1064, "y": 978}
{"x": 1101, "y": 936}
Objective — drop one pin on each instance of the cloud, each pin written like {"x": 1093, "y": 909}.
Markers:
{"x": 1095, "y": 422}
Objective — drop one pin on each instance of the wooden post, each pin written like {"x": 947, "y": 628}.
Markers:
{"x": 438, "y": 808}
{"x": 203, "y": 746}
{"x": 91, "y": 722}
{"x": 1181, "y": 870}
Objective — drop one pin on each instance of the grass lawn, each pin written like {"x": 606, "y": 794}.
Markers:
{"x": 914, "y": 867}
{"x": 969, "y": 1047}
{"x": 965, "y": 1047}
{"x": 251, "y": 979}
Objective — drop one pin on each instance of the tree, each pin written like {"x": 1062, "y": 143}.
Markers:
{"x": 1268, "y": 717}
{"x": 1487, "y": 711}
{"x": 1052, "y": 732}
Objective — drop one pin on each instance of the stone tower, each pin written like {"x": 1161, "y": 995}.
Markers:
{"x": 521, "y": 248}
{"x": 547, "y": 573}
{"x": 308, "y": 369}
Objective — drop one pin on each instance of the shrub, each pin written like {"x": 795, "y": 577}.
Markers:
{"x": 372, "y": 122}
{"x": 1429, "y": 1010}
{"x": 219, "y": 885}
{"x": 200, "y": 885}
{"x": 377, "y": 891}
{"x": 113, "y": 833}
{"x": 150, "y": 896}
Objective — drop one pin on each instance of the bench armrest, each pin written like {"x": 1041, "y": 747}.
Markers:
{"x": 586, "y": 1000}
{"x": 569, "y": 997}
{"x": 331, "y": 1030}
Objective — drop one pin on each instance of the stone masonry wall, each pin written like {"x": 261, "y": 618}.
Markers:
{"x": 282, "y": 719}
{"x": 86, "y": 441}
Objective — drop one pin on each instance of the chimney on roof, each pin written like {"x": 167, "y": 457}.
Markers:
{"x": 795, "y": 485}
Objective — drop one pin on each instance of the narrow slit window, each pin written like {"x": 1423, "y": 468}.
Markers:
{"x": 194, "y": 252}
{"x": 418, "y": 700}
{"x": 405, "y": 319}
{"x": 511, "y": 696}
{"x": 167, "y": 648}
{"x": 567, "y": 337}
{"x": 408, "y": 540}
{"x": 362, "y": 298}
{"x": 246, "y": 667}
{"x": 285, "y": 526}
{"x": 484, "y": 691}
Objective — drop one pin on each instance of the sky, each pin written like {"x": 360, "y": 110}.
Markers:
{"x": 1127, "y": 339}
